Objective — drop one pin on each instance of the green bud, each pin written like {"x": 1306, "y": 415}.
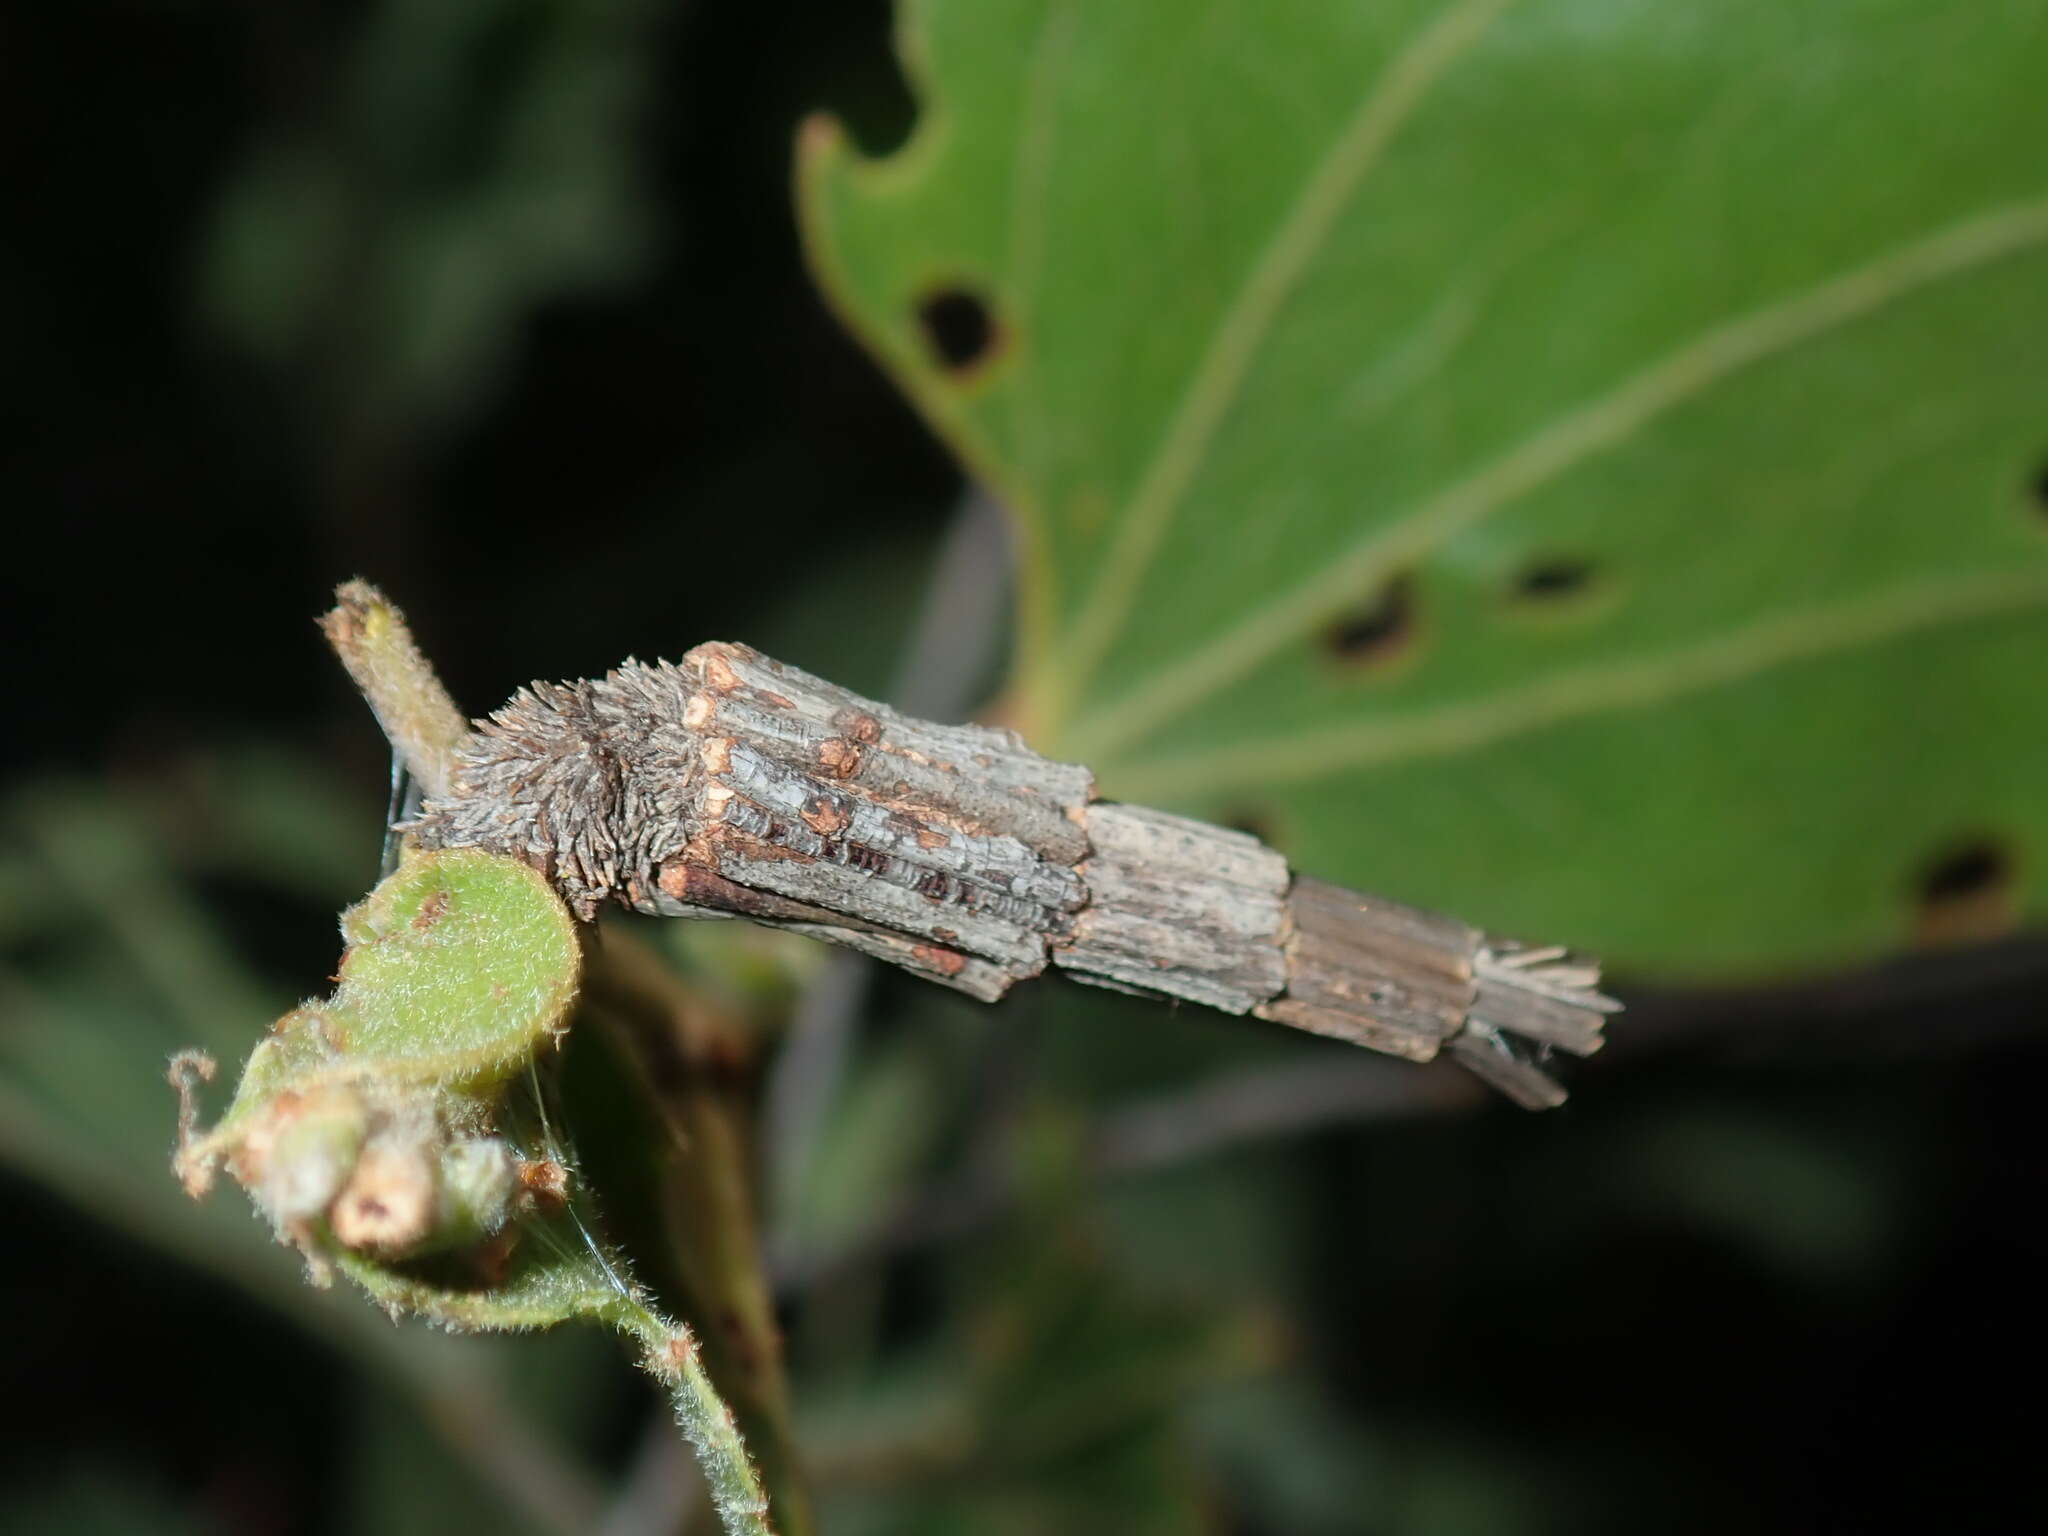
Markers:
{"x": 313, "y": 1143}
{"x": 387, "y": 1205}
{"x": 479, "y": 1177}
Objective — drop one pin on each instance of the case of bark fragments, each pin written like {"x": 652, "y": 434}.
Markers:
{"x": 731, "y": 785}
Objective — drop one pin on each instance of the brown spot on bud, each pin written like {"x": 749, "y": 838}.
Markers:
{"x": 544, "y": 1181}
{"x": 430, "y": 911}
{"x": 838, "y": 757}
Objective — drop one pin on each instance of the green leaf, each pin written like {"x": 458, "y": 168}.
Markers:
{"x": 458, "y": 966}
{"x": 134, "y": 968}
{"x": 380, "y": 1131}
{"x": 1571, "y": 462}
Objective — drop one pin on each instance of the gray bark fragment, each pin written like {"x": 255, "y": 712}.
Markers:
{"x": 1180, "y": 908}
{"x": 977, "y": 978}
{"x": 935, "y": 832}
{"x": 1410, "y": 982}
{"x": 1374, "y": 972}
{"x": 983, "y": 780}
{"x": 937, "y": 963}
{"x": 1543, "y": 995}
{"x": 1487, "y": 1056}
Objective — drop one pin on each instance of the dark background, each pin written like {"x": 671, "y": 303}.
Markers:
{"x": 1777, "y": 1267}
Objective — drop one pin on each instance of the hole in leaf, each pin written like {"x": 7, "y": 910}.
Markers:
{"x": 1553, "y": 577}
{"x": 1966, "y": 893}
{"x": 1379, "y": 631}
{"x": 1966, "y": 871}
{"x": 959, "y": 328}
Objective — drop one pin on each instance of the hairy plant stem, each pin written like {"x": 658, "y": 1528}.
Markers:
{"x": 418, "y": 715}
{"x": 672, "y": 1357}
{"x": 679, "y": 1050}
{"x": 452, "y": 1385}
{"x": 694, "y": 1063}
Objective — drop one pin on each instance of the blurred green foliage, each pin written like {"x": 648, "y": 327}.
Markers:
{"x": 461, "y": 166}
{"x": 512, "y": 257}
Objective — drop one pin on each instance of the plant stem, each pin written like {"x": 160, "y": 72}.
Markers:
{"x": 419, "y": 718}
{"x": 451, "y": 1382}
{"x": 690, "y": 1057}
{"x": 671, "y": 1357}
{"x": 669, "y": 1038}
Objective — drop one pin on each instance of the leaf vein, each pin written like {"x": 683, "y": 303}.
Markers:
{"x": 1559, "y": 697}
{"x": 1566, "y": 441}
{"x": 1404, "y": 86}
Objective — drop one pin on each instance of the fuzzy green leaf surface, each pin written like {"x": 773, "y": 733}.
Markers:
{"x": 368, "y": 1129}
{"x": 558, "y": 1273}
{"x": 458, "y": 967}
{"x": 139, "y": 967}
{"x": 1574, "y": 463}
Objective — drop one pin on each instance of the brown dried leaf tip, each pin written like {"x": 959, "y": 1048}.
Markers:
{"x": 187, "y": 1071}
{"x": 545, "y": 1183}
